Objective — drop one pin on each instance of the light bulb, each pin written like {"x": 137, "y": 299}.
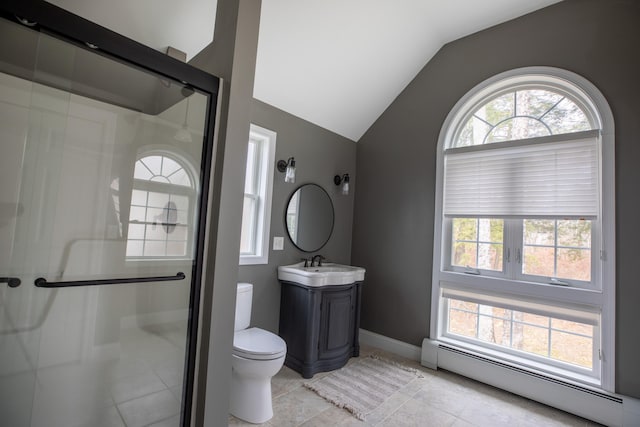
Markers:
{"x": 290, "y": 175}
{"x": 345, "y": 187}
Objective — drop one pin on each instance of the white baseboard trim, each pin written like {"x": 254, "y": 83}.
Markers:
{"x": 391, "y": 345}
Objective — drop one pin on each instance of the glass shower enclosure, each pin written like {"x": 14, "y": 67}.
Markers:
{"x": 104, "y": 170}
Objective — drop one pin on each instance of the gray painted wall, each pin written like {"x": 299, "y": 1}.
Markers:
{"x": 232, "y": 56}
{"x": 320, "y": 154}
{"x": 394, "y": 205}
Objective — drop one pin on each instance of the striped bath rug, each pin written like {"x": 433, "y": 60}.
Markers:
{"x": 364, "y": 384}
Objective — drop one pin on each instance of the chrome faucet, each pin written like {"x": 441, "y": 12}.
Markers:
{"x": 320, "y": 258}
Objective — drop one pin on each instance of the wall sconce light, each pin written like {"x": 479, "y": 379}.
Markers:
{"x": 344, "y": 180}
{"x": 289, "y": 169}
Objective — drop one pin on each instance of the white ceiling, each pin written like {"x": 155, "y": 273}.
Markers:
{"x": 336, "y": 63}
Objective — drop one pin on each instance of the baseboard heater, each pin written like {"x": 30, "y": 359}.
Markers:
{"x": 588, "y": 403}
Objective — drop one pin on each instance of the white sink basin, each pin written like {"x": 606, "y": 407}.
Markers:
{"x": 326, "y": 275}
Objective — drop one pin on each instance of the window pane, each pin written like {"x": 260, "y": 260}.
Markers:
{"x": 539, "y": 232}
{"x": 155, "y": 232}
{"x": 465, "y": 255}
{"x": 532, "y": 339}
{"x": 141, "y": 171}
{"x": 248, "y": 227}
{"x": 465, "y": 229}
{"x": 180, "y": 232}
{"x": 574, "y": 233}
{"x": 169, "y": 166}
{"x": 139, "y": 197}
{"x": 538, "y": 261}
{"x": 535, "y": 102}
{"x": 180, "y": 178}
{"x": 477, "y": 243}
{"x": 155, "y": 215}
{"x": 574, "y": 264}
{"x": 566, "y": 117}
{"x": 494, "y": 330}
{"x": 137, "y": 213}
{"x": 463, "y": 323}
{"x": 498, "y": 109}
{"x": 136, "y": 231}
{"x": 549, "y": 337}
{"x": 473, "y": 132}
{"x": 153, "y": 164}
{"x": 557, "y": 248}
{"x": 250, "y": 177}
{"x": 182, "y": 202}
{"x": 490, "y": 256}
{"x": 183, "y": 216}
{"x": 158, "y": 200}
{"x": 574, "y": 349}
{"x": 154, "y": 248}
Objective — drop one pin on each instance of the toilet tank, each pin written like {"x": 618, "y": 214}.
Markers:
{"x": 243, "y": 306}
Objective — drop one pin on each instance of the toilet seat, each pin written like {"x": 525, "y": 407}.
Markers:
{"x": 258, "y": 344}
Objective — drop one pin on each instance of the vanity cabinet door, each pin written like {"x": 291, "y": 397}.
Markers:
{"x": 320, "y": 326}
{"x": 336, "y": 323}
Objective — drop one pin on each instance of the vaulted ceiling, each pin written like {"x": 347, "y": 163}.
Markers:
{"x": 336, "y": 63}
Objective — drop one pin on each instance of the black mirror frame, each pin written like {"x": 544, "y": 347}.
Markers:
{"x": 333, "y": 218}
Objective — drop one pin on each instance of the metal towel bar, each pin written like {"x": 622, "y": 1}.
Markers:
{"x": 42, "y": 282}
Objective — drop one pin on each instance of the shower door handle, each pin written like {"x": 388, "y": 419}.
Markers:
{"x": 42, "y": 282}
{"x": 13, "y": 282}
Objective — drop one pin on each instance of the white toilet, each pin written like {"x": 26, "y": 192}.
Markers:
{"x": 257, "y": 356}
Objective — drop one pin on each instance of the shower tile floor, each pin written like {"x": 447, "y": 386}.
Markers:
{"x": 439, "y": 399}
{"x": 141, "y": 386}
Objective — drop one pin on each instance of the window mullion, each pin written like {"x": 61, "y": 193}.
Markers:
{"x": 513, "y": 240}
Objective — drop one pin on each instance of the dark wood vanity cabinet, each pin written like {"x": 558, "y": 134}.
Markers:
{"x": 320, "y": 326}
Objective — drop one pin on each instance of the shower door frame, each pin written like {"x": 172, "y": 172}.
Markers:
{"x": 83, "y": 33}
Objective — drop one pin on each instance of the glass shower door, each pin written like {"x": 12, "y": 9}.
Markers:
{"x": 100, "y": 170}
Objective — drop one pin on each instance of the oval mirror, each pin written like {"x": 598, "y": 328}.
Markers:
{"x": 309, "y": 217}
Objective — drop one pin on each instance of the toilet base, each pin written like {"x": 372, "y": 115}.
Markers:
{"x": 250, "y": 398}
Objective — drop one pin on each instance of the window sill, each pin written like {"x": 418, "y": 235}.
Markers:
{"x": 253, "y": 260}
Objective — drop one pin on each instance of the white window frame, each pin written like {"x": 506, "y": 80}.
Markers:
{"x": 600, "y": 296}
{"x": 264, "y": 169}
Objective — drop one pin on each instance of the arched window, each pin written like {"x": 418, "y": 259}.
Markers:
{"x": 523, "y": 263}
{"x": 162, "y": 208}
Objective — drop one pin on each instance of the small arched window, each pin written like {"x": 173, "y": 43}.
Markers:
{"x": 527, "y": 112}
{"x": 524, "y": 224}
{"x": 162, "y": 206}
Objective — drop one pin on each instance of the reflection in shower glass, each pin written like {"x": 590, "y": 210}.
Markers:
{"x": 94, "y": 186}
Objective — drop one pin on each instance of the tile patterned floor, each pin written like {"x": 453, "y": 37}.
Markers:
{"x": 440, "y": 399}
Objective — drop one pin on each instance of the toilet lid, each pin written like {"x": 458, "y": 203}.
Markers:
{"x": 258, "y": 344}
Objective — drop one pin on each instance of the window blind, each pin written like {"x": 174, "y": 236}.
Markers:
{"x": 540, "y": 177}
{"x": 570, "y": 312}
